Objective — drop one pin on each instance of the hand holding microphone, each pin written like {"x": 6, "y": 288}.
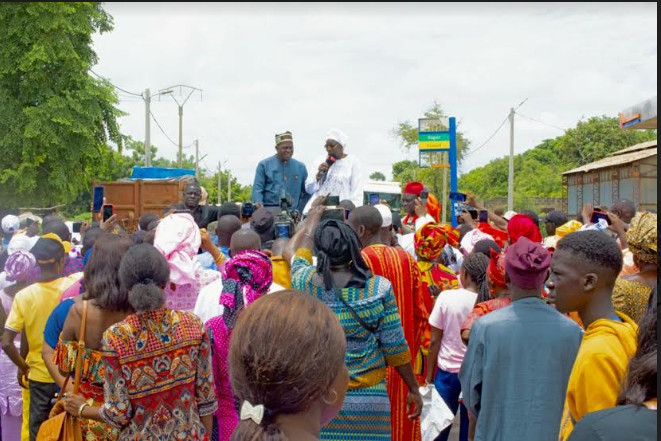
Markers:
{"x": 324, "y": 166}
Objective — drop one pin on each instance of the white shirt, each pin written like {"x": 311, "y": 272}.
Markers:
{"x": 208, "y": 304}
{"x": 344, "y": 179}
{"x": 450, "y": 311}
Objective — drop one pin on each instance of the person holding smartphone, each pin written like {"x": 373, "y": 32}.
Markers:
{"x": 338, "y": 173}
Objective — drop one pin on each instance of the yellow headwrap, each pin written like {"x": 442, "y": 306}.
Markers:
{"x": 642, "y": 237}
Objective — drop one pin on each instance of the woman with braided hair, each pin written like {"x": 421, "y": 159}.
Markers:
{"x": 446, "y": 350}
{"x": 367, "y": 310}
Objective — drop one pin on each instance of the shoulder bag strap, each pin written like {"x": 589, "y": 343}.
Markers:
{"x": 80, "y": 349}
{"x": 355, "y": 315}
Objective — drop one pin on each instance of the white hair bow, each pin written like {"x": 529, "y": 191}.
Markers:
{"x": 250, "y": 412}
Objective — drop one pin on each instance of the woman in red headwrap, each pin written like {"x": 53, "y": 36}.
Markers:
{"x": 429, "y": 243}
{"x": 521, "y": 225}
{"x": 500, "y": 296}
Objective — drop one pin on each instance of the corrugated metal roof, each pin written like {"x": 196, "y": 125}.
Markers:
{"x": 633, "y": 148}
{"x": 611, "y": 161}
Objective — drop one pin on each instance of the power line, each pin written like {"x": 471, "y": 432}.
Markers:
{"x": 541, "y": 122}
{"x": 489, "y": 139}
{"x": 116, "y": 87}
{"x": 163, "y": 131}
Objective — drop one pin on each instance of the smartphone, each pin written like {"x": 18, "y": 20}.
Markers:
{"x": 456, "y": 196}
{"x": 374, "y": 198}
{"x": 76, "y": 226}
{"x": 424, "y": 195}
{"x": 108, "y": 211}
{"x": 336, "y": 213}
{"x": 332, "y": 201}
{"x": 483, "y": 216}
{"x": 596, "y": 215}
{"x": 97, "y": 201}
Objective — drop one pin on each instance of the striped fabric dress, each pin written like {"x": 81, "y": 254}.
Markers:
{"x": 365, "y": 414}
{"x": 402, "y": 271}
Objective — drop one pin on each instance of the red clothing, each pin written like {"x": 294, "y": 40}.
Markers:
{"x": 485, "y": 308}
{"x": 402, "y": 271}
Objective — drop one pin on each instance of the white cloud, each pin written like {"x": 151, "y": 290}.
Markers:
{"x": 265, "y": 68}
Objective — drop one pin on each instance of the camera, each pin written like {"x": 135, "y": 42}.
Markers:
{"x": 284, "y": 223}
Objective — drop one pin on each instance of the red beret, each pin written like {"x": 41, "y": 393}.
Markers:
{"x": 414, "y": 188}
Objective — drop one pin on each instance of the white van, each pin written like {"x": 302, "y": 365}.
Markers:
{"x": 388, "y": 192}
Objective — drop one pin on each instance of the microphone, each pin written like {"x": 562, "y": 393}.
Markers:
{"x": 330, "y": 160}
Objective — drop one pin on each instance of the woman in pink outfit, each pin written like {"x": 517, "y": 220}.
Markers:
{"x": 246, "y": 277}
{"x": 178, "y": 238}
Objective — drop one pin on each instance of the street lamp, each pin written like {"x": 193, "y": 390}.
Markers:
{"x": 181, "y": 113}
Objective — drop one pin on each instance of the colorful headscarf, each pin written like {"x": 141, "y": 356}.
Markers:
{"x": 246, "y": 277}
{"x": 429, "y": 241}
{"x": 569, "y": 227}
{"x": 496, "y": 269}
{"x": 451, "y": 235}
{"x": 433, "y": 207}
{"x": 642, "y": 237}
{"x": 471, "y": 238}
{"x": 19, "y": 266}
{"x": 178, "y": 239}
{"x": 522, "y": 226}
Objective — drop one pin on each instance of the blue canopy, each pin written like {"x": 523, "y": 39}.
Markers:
{"x": 160, "y": 173}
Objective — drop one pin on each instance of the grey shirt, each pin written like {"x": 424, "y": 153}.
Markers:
{"x": 516, "y": 369}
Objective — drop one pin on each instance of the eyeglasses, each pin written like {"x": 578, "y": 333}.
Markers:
{"x": 332, "y": 144}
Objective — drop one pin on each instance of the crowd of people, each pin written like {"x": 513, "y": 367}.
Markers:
{"x": 205, "y": 324}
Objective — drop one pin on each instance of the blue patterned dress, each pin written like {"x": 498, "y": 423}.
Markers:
{"x": 365, "y": 414}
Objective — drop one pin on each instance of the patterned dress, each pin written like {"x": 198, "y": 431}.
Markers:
{"x": 365, "y": 414}
{"x": 631, "y": 297}
{"x": 403, "y": 273}
{"x": 158, "y": 380}
{"x": 91, "y": 385}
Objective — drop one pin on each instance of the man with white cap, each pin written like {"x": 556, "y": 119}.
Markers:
{"x": 10, "y": 225}
{"x": 338, "y": 174}
{"x": 387, "y": 232}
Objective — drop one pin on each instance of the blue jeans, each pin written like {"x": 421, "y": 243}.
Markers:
{"x": 448, "y": 387}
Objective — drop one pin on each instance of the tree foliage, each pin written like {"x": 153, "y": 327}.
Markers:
{"x": 538, "y": 171}
{"x": 55, "y": 119}
{"x": 378, "y": 176}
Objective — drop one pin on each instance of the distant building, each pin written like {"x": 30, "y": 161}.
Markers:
{"x": 626, "y": 174}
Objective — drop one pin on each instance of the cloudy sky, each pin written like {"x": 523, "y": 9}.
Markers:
{"x": 267, "y": 68}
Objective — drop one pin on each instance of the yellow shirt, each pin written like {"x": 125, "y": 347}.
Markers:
{"x": 30, "y": 311}
{"x": 600, "y": 367}
{"x": 281, "y": 272}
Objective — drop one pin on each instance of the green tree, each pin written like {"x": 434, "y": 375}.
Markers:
{"x": 55, "y": 118}
{"x": 538, "y": 171}
{"x": 378, "y": 176}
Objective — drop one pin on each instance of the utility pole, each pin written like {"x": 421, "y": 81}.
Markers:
{"x": 181, "y": 115}
{"x": 147, "y": 134}
{"x": 197, "y": 160}
{"x": 510, "y": 176}
{"x": 220, "y": 187}
{"x": 229, "y": 187}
